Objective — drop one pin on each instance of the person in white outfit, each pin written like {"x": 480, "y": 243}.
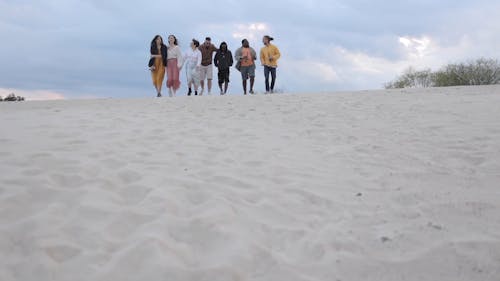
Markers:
{"x": 192, "y": 59}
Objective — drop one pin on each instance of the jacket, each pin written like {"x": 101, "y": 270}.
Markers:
{"x": 164, "y": 53}
{"x": 207, "y": 53}
{"x": 223, "y": 60}
{"x": 266, "y": 52}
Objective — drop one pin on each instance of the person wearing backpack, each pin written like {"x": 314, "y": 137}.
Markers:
{"x": 245, "y": 57}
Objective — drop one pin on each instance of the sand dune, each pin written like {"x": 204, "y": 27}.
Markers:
{"x": 375, "y": 185}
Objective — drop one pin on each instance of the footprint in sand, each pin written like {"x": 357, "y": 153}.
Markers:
{"x": 198, "y": 197}
{"x": 4, "y": 154}
{"x": 76, "y": 142}
{"x": 114, "y": 164}
{"x": 61, "y": 253}
{"x": 311, "y": 198}
{"x": 134, "y": 194}
{"x": 129, "y": 176}
{"x": 33, "y": 172}
{"x": 144, "y": 154}
{"x": 67, "y": 180}
{"x": 232, "y": 182}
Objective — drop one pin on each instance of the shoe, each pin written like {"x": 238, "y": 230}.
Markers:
{"x": 252, "y": 92}
{"x": 267, "y": 92}
{"x": 195, "y": 93}
{"x": 159, "y": 95}
{"x": 189, "y": 92}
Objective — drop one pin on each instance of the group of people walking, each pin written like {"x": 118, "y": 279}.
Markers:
{"x": 167, "y": 59}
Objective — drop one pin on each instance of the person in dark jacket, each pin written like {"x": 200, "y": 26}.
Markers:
{"x": 223, "y": 60}
{"x": 158, "y": 62}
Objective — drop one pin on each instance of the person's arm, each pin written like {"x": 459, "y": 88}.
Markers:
{"x": 180, "y": 60}
{"x": 237, "y": 55}
{"x": 262, "y": 57}
{"x": 198, "y": 58}
{"x": 216, "y": 59}
{"x": 254, "y": 54}
{"x": 230, "y": 58}
{"x": 277, "y": 54}
{"x": 164, "y": 52}
{"x": 184, "y": 59}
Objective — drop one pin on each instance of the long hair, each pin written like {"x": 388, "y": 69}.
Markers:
{"x": 223, "y": 44}
{"x": 175, "y": 39}
{"x": 154, "y": 49}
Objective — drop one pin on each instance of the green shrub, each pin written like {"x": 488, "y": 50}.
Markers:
{"x": 479, "y": 72}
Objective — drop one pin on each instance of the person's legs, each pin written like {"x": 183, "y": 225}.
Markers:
{"x": 251, "y": 73}
{"x": 244, "y": 78}
{"x": 273, "y": 78}
{"x": 155, "y": 76}
{"x": 155, "y": 80}
{"x": 203, "y": 76}
{"x": 196, "y": 80}
{"x": 189, "y": 78}
{"x": 252, "y": 82}
{"x": 220, "y": 76}
{"x": 176, "y": 83}
{"x": 158, "y": 76}
{"x": 210, "y": 76}
{"x": 266, "y": 76}
{"x": 161, "y": 77}
{"x": 170, "y": 77}
{"x": 195, "y": 84}
{"x": 226, "y": 80}
{"x": 209, "y": 84}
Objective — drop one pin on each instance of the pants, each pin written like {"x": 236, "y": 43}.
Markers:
{"x": 192, "y": 75}
{"x": 272, "y": 70}
{"x": 173, "y": 74}
{"x": 158, "y": 74}
{"x": 223, "y": 75}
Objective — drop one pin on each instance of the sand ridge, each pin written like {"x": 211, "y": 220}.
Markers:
{"x": 373, "y": 185}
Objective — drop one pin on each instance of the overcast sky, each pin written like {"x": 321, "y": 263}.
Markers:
{"x": 93, "y": 48}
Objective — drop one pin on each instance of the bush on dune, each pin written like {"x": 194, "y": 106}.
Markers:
{"x": 12, "y": 97}
{"x": 479, "y": 72}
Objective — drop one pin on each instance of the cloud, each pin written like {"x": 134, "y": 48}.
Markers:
{"x": 100, "y": 48}
{"x": 417, "y": 47}
{"x": 250, "y": 31}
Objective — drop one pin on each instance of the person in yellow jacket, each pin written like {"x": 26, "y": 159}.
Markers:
{"x": 269, "y": 56}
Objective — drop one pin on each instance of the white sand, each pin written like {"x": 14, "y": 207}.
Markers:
{"x": 253, "y": 188}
